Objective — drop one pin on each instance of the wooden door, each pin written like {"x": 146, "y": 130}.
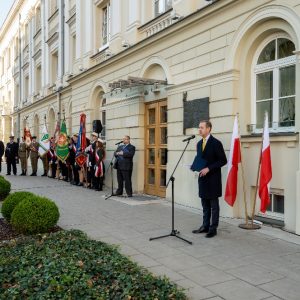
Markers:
{"x": 156, "y": 155}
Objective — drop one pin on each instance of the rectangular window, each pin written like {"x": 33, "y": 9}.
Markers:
{"x": 54, "y": 67}
{"x": 105, "y": 25}
{"x": 161, "y": 6}
{"x": 276, "y": 204}
{"x": 38, "y": 19}
{"x": 26, "y": 91}
{"x": 38, "y": 77}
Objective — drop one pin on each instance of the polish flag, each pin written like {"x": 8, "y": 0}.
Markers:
{"x": 233, "y": 161}
{"x": 265, "y": 169}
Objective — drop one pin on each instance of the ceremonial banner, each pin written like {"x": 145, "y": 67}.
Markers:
{"x": 44, "y": 142}
{"x": 27, "y": 136}
{"x": 81, "y": 143}
{"x": 62, "y": 147}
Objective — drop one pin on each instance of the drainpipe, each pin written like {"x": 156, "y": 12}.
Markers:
{"x": 20, "y": 81}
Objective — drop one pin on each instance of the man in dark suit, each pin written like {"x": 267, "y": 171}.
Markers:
{"x": 124, "y": 155}
{"x": 11, "y": 154}
{"x": 1, "y": 153}
{"x": 211, "y": 151}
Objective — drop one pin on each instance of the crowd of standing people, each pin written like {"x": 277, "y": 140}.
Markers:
{"x": 90, "y": 175}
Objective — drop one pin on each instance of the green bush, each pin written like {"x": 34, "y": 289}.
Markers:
{"x": 35, "y": 215}
{"x": 11, "y": 201}
{"x": 4, "y": 188}
{"x": 68, "y": 265}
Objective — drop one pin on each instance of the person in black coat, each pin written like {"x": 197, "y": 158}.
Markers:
{"x": 1, "y": 153}
{"x": 124, "y": 165}
{"x": 11, "y": 154}
{"x": 211, "y": 152}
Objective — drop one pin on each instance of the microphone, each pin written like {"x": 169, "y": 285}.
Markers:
{"x": 118, "y": 143}
{"x": 189, "y": 138}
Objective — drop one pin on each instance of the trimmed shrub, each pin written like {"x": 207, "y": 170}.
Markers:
{"x": 4, "y": 188}
{"x": 35, "y": 215}
{"x": 11, "y": 201}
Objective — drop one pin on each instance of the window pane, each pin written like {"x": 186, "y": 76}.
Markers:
{"x": 151, "y": 116}
{"x": 163, "y": 177}
{"x": 163, "y": 156}
{"x": 264, "y": 86}
{"x": 268, "y": 53}
{"x": 261, "y": 108}
{"x": 151, "y": 136}
{"x": 270, "y": 207}
{"x": 163, "y": 135}
{"x": 278, "y": 203}
{"x": 163, "y": 114}
{"x": 287, "y": 81}
{"x": 287, "y": 112}
{"x": 151, "y": 176}
{"x": 285, "y": 48}
{"x": 151, "y": 156}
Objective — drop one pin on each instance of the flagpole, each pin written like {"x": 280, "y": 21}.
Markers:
{"x": 257, "y": 177}
{"x": 243, "y": 175}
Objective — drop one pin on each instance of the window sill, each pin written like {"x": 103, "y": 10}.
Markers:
{"x": 274, "y": 137}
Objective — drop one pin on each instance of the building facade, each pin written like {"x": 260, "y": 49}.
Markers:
{"x": 148, "y": 69}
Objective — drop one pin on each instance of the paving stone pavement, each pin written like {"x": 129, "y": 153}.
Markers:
{"x": 236, "y": 264}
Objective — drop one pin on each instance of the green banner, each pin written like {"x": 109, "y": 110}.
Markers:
{"x": 62, "y": 147}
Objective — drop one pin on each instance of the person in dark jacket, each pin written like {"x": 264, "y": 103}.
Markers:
{"x": 1, "y": 153}
{"x": 210, "y": 150}
{"x": 124, "y": 165}
{"x": 11, "y": 154}
{"x": 99, "y": 165}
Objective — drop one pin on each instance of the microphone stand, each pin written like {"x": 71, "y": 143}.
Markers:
{"x": 174, "y": 232}
{"x": 112, "y": 177}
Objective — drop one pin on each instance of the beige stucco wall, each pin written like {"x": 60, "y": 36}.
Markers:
{"x": 205, "y": 56}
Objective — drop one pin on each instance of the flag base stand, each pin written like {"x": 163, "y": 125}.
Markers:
{"x": 250, "y": 226}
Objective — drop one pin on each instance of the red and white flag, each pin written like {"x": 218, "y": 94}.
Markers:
{"x": 265, "y": 169}
{"x": 233, "y": 161}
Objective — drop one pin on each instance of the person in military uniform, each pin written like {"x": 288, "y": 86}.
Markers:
{"x": 72, "y": 156}
{"x": 45, "y": 162}
{"x": 1, "y": 153}
{"x": 11, "y": 155}
{"x": 34, "y": 155}
{"x": 23, "y": 155}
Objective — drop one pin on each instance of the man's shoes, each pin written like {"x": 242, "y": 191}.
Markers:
{"x": 22, "y": 174}
{"x": 211, "y": 233}
{"x": 200, "y": 230}
{"x": 44, "y": 175}
{"x": 117, "y": 194}
{"x": 33, "y": 174}
{"x": 8, "y": 174}
{"x": 129, "y": 196}
{"x": 80, "y": 184}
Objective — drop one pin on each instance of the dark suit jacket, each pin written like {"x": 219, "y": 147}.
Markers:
{"x": 210, "y": 185}
{"x": 11, "y": 150}
{"x": 124, "y": 162}
{"x": 1, "y": 148}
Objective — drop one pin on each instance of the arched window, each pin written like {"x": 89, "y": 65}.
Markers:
{"x": 274, "y": 82}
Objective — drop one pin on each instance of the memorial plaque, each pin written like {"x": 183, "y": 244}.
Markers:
{"x": 194, "y": 111}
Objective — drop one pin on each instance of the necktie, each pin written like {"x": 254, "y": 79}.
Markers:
{"x": 203, "y": 144}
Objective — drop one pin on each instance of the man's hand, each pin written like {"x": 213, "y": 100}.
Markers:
{"x": 203, "y": 172}
{"x": 120, "y": 153}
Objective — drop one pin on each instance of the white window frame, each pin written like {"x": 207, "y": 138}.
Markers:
{"x": 162, "y": 7}
{"x": 271, "y": 214}
{"x": 273, "y": 66}
{"x": 108, "y": 26}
